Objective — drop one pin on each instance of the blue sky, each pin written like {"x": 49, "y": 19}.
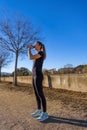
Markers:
{"x": 64, "y": 25}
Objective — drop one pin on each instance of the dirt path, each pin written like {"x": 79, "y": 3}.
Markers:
{"x": 66, "y": 112}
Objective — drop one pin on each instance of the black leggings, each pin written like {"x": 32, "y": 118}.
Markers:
{"x": 38, "y": 89}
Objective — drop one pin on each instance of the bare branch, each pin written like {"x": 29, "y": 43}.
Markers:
{"x": 5, "y": 44}
{"x": 4, "y": 58}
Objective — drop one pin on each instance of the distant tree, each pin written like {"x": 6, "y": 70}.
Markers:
{"x": 22, "y": 72}
{"x": 84, "y": 70}
{"x": 4, "y": 60}
{"x": 80, "y": 69}
{"x": 15, "y": 34}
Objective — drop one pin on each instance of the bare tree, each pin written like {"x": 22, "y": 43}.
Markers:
{"x": 4, "y": 60}
{"x": 15, "y": 35}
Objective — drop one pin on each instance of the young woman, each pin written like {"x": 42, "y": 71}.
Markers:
{"x": 37, "y": 78}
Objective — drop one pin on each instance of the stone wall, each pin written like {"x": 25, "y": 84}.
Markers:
{"x": 75, "y": 82}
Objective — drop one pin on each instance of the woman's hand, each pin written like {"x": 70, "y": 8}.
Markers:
{"x": 30, "y": 46}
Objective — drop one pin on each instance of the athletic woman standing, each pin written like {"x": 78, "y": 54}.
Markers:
{"x": 37, "y": 78}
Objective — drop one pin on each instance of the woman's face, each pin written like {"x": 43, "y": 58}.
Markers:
{"x": 37, "y": 46}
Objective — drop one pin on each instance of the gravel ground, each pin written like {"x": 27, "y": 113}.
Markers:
{"x": 67, "y": 109}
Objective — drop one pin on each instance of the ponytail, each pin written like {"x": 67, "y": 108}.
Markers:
{"x": 42, "y": 48}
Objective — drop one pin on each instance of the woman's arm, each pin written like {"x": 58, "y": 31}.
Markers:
{"x": 31, "y": 56}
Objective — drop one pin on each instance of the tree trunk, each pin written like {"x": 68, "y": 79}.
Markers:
{"x": 15, "y": 72}
{"x": 0, "y": 73}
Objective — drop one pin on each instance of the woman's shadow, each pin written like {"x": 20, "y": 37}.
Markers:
{"x": 59, "y": 120}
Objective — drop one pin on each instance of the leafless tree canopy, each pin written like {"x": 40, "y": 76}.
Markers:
{"x": 16, "y": 33}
